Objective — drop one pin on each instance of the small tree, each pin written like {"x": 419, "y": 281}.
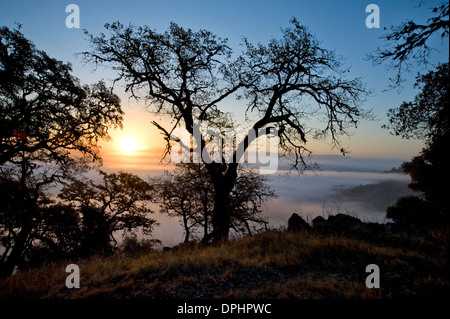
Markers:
{"x": 56, "y": 235}
{"x": 408, "y": 211}
{"x": 188, "y": 194}
{"x": 119, "y": 203}
{"x": 249, "y": 194}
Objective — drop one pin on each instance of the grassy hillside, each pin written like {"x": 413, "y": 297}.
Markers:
{"x": 305, "y": 264}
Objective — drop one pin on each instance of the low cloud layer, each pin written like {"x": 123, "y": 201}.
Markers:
{"x": 361, "y": 187}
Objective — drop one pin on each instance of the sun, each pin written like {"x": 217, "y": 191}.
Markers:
{"x": 129, "y": 145}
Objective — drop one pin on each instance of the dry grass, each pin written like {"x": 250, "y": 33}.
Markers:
{"x": 270, "y": 265}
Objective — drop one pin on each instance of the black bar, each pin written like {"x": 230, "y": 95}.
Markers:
{"x": 225, "y": 308}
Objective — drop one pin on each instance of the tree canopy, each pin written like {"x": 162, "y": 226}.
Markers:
{"x": 119, "y": 203}
{"x": 428, "y": 115}
{"x": 45, "y": 111}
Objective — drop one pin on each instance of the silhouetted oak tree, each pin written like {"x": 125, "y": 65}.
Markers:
{"x": 187, "y": 75}
{"x": 49, "y": 128}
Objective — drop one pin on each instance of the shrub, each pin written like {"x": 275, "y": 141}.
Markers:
{"x": 131, "y": 246}
{"x": 410, "y": 210}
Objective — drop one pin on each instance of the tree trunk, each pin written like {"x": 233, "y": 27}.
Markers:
{"x": 29, "y": 210}
{"x": 7, "y": 268}
{"x": 221, "y": 218}
{"x": 205, "y": 217}
{"x": 186, "y": 228}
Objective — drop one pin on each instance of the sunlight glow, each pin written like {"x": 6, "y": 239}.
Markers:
{"x": 129, "y": 145}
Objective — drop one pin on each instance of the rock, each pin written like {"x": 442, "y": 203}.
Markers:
{"x": 297, "y": 223}
{"x": 343, "y": 222}
{"x": 319, "y": 221}
{"x": 346, "y": 224}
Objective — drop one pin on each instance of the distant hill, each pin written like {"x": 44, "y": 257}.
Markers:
{"x": 376, "y": 196}
{"x": 399, "y": 170}
{"x": 346, "y": 163}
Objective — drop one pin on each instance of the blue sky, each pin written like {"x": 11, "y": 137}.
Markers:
{"x": 339, "y": 25}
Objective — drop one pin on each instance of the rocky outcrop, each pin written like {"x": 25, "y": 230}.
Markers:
{"x": 339, "y": 224}
{"x": 297, "y": 223}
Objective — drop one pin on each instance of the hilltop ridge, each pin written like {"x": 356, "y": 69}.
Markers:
{"x": 306, "y": 264}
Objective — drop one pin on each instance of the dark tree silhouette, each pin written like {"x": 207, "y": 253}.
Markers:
{"x": 188, "y": 194}
{"x": 187, "y": 75}
{"x": 408, "y": 42}
{"x": 44, "y": 109}
{"x": 409, "y": 211}
{"x": 247, "y": 197}
{"x": 427, "y": 118}
{"x": 81, "y": 223}
{"x": 118, "y": 203}
{"x": 47, "y": 120}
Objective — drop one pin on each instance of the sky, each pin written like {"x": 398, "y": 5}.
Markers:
{"x": 355, "y": 184}
{"x": 339, "y": 25}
